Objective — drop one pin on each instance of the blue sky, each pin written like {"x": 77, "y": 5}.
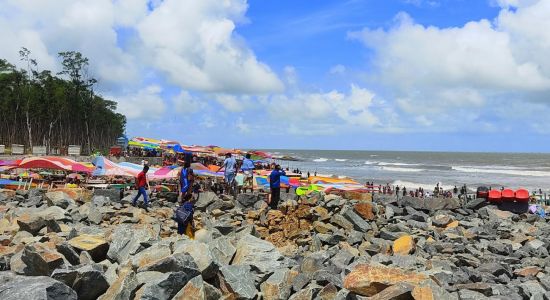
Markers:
{"x": 440, "y": 75}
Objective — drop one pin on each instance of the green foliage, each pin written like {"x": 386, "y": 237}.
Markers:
{"x": 55, "y": 110}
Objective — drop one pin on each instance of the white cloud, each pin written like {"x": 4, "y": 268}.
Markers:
{"x": 437, "y": 73}
{"x": 337, "y": 70}
{"x": 232, "y": 103}
{"x": 194, "y": 43}
{"x": 242, "y": 126}
{"x": 144, "y": 105}
{"x": 185, "y": 103}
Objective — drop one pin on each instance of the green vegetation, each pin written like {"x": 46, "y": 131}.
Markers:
{"x": 55, "y": 110}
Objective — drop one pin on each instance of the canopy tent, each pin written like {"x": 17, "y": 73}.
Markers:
{"x": 330, "y": 180}
{"x": 105, "y": 167}
{"x": 263, "y": 181}
{"x": 259, "y": 155}
{"x": 173, "y": 171}
{"x": 54, "y": 163}
{"x": 10, "y": 163}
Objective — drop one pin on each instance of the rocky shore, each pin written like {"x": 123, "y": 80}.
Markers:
{"x": 66, "y": 245}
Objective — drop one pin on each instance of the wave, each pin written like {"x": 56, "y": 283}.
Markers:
{"x": 368, "y": 162}
{"x": 394, "y": 169}
{"x": 425, "y": 186}
{"x": 341, "y": 159}
{"x": 396, "y": 164}
{"x": 505, "y": 171}
{"x": 320, "y": 159}
{"x": 373, "y": 155}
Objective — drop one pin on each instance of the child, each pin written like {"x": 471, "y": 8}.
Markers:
{"x": 184, "y": 217}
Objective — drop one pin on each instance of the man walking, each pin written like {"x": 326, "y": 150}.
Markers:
{"x": 230, "y": 171}
{"x": 275, "y": 185}
{"x": 142, "y": 183}
{"x": 248, "y": 170}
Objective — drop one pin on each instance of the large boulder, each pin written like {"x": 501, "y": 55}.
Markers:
{"x": 358, "y": 222}
{"x": 127, "y": 240}
{"x": 152, "y": 254}
{"x": 123, "y": 287}
{"x": 95, "y": 245}
{"x": 193, "y": 290}
{"x": 247, "y": 200}
{"x": 29, "y": 262}
{"x": 365, "y": 210}
{"x": 369, "y": 280}
{"x": 403, "y": 245}
{"x": 31, "y": 223}
{"x": 205, "y": 199}
{"x": 59, "y": 198}
{"x": 163, "y": 288}
{"x": 237, "y": 282}
{"x": 256, "y": 252}
{"x": 179, "y": 262}
{"x": 35, "y": 288}
{"x": 278, "y": 285}
{"x": 90, "y": 282}
{"x": 222, "y": 250}
{"x": 201, "y": 255}
{"x": 431, "y": 204}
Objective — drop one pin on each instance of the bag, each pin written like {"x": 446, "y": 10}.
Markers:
{"x": 183, "y": 214}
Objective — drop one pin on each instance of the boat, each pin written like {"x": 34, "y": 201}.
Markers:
{"x": 482, "y": 192}
{"x": 494, "y": 196}
{"x": 508, "y": 195}
{"x": 522, "y": 195}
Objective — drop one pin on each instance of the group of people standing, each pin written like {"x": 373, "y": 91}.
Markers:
{"x": 187, "y": 187}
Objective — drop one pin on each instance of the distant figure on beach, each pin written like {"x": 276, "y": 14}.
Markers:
{"x": 404, "y": 191}
{"x": 141, "y": 184}
{"x": 315, "y": 174}
{"x": 248, "y": 170}
{"x": 230, "y": 171}
{"x": 275, "y": 185}
{"x": 308, "y": 174}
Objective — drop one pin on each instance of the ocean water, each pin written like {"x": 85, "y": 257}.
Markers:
{"x": 425, "y": 169}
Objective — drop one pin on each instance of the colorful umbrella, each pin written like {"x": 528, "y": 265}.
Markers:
{"x": 75, "y": 176}
{"x": 55, "y": 163}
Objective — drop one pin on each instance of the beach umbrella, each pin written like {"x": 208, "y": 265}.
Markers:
{"x": 105, "y": 167}
{"x": 54, "y": 163}
{"x": 28, "y": 174}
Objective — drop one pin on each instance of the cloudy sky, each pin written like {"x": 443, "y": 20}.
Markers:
{"x": 457, "y": 75}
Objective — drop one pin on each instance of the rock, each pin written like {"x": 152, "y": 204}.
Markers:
{"x": 152, "y": 254}
{"x": 108, "y": 195}
{"x": 205, "y": 199}
{"x": 29, "y": 262}
{"x": 163, "y": 288}
{"x": 400, "y": 290}
{"x": 358, "y": 223}
{"x": 500, "y": 248}
{"x": 237, "y": 282}
{"x": 403, "y": 245}
{"x": 179, "y": 262}
{"x": 479, "y": 287}
{"x": 307, "y": 293}
{"x": 59, "y": 198}
{"x": 123, "y": 287}
{"x": 441, "y": 220}
{"x": 222, "y": 250}
{"x": 432, "y": 204}
{"x": 126, "y": 241}
{"x": 328, "y": 292}
{"x": 193, "y": 290}
{"x": 341, "y": 221}
{"x": 324, "y": 227}
{"x": 476, "y": 203}
{"x": 368, "y": 280}
{"x": 277, "y": 286}
{"x": 527, "y": 271}
{"x": 390, "y": 235}
{"x": 35, "y": 288}
{"x": 470, "y": 295}
{"x": 365, "y": 210}
{"x": 31, "y": 223}
{"x": 67, "y": 276}
{"x": 247, "y": 200}
{"x": 430, "y": 290}
{"x": 90, "y": 282}
{"x": 96, "y": 246}
{"x": 258, "y": 253}
{"x": 531, "y": 288}
{"x": 389, "y": 212}
{"x": 201, "y": 255}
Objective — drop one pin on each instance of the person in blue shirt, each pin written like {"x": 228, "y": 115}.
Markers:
{"x": 248, "y": 171}
{"x": 230, "y": 172}
{"x": 275, "y": 185}
{"x": 186, "y": 180}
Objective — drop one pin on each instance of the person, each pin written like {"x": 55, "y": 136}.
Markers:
{"x": 141, "y": 184}
{"x": 186, "y": 180}
{"x": 230, "y": 170}
{"x": 184, "y": 217}
{"x": 248, "y": 171}
{"x": 275, "y": 185}
{"x": 455, "y": 190}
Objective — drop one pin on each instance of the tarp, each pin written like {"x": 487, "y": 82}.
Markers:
{"x": 55, "y": 163}
{"x": 4, "y": 182}
{"x": 330, "y": 180}
{"x": 105, "y": 167}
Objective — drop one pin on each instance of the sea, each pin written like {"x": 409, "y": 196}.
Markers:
{"x": 426, "y": 169}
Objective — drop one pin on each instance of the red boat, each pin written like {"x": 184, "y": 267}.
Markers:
{"x": 522, "y": 195}
{"x": 495, "y": 196}
{"x": 508, "y": 195}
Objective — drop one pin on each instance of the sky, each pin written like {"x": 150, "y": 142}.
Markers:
{"x": 427, "y": 75}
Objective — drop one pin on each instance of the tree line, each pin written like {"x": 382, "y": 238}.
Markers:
{"x": 38, "y": 107}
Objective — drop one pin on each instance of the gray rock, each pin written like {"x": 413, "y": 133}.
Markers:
{"x": 531, "y": 288}
{"x": 341, "y": 221}
{"x": 201, "y": 254}
{"x": 179, "y": 262}
{"x": 90, "y": 282}
{"x": 67, "y": 276}
{"x": 476, "y": 203}
{"x": 29, "y": 262}
{"x": 277, "y": 285}
{"x": 127, "y": 240}
{"x": 500, "y": 248}
{"x": 35, "y": 288}
{"x": 109, "y": 195}
{"x": 59, "y": 198}
{"x": 247, "y": 200}
{"x": 359, "y": 223}
{"x": 123, "y": 287}
{"x": 238, "y": 281}
{"x": 33, "y": 224}
{"x": 205, "y": 199}
{"x": 470, "y": 295}
{"x": 222, "y": 250}
{"x": 299, "y": 282}
{"x": 194, "y": 289}
{"x": 331, "y": 239}
{"x": 309, "y": 292}
{"x": 258, "y": 253}
{"x": 166, "y": 287}
{"x": 391, "y": 236}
